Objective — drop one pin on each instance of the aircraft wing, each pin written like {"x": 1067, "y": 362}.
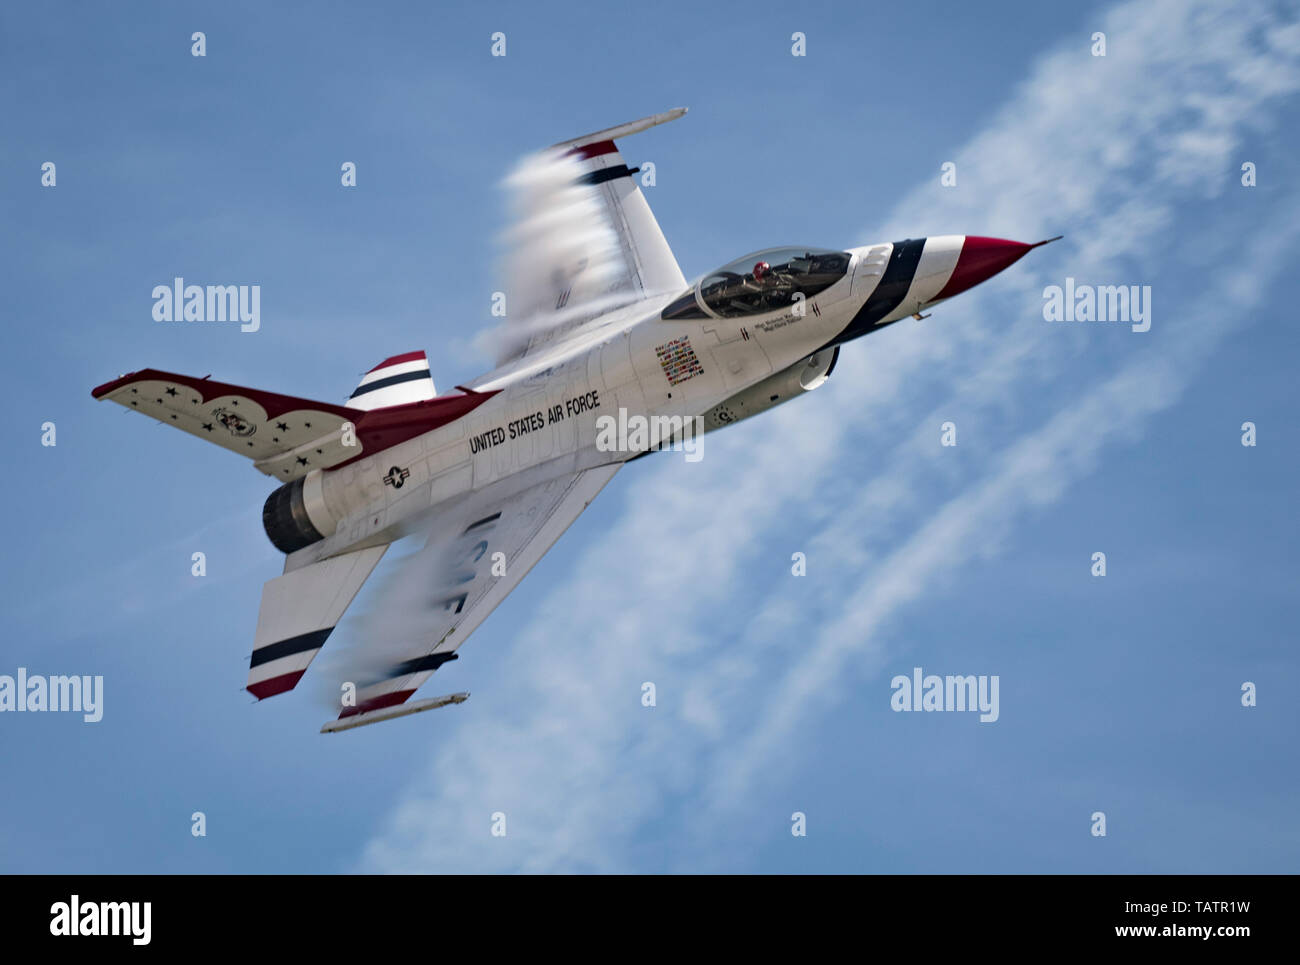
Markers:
{"x": 477, "y": 554}
{"x": 286, "y": 437}
{"x": 584, "y": 239}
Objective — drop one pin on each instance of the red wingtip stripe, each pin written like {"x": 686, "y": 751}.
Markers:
{"x": 276, "y": 685}
{"x": 377, "y": 703}
{"x": 600, "y": 148}
{"x": 398, "y": 360}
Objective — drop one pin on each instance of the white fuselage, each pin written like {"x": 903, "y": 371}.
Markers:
{"x": 542, "y": 421}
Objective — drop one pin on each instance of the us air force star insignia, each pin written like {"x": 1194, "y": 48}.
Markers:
{"x": 396, "y": 476}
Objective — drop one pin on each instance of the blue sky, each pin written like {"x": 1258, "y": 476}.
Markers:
{"x": 1119, "y": 694}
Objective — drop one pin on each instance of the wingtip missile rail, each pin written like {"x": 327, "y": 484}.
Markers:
{"x": 388, "y": 713}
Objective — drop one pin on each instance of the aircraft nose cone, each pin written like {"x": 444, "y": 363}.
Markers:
{"x": 980, "y": 260}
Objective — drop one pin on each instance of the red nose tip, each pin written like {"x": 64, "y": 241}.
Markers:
{"x": 981, "y": 259}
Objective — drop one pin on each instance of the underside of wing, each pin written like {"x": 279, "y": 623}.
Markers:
{"x": 286, "y": 437}
{"x": 584, "y": 240}
{"x": 478, "y": 553}
{"x": 275, "y": 431}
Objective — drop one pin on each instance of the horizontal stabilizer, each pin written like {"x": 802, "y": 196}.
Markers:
{"x": 299, "y": 610}
{"x": 286, "y": 437}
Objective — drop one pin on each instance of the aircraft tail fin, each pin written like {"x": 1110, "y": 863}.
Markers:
{"x": 399, "y": 380}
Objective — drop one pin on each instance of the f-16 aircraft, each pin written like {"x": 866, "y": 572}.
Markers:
{"x": 603, "y": 327}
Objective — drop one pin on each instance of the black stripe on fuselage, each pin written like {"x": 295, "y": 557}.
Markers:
{"x": 391, "y": 380}
{"x": 890, "y": 292}
{"x": 274, "y": 651}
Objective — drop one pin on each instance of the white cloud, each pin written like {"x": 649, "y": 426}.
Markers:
{"x": 561, "y": 743}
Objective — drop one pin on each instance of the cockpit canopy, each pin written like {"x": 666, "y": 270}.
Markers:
{"x": 765, "y": 281}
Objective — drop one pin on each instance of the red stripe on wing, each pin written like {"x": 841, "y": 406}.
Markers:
{"x": 377, "y": 703}
{"x": 588, "y": 151}
{"x": 276, "y": 685}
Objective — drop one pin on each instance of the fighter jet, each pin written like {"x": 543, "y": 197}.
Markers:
{"x": 604, "y": 333}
